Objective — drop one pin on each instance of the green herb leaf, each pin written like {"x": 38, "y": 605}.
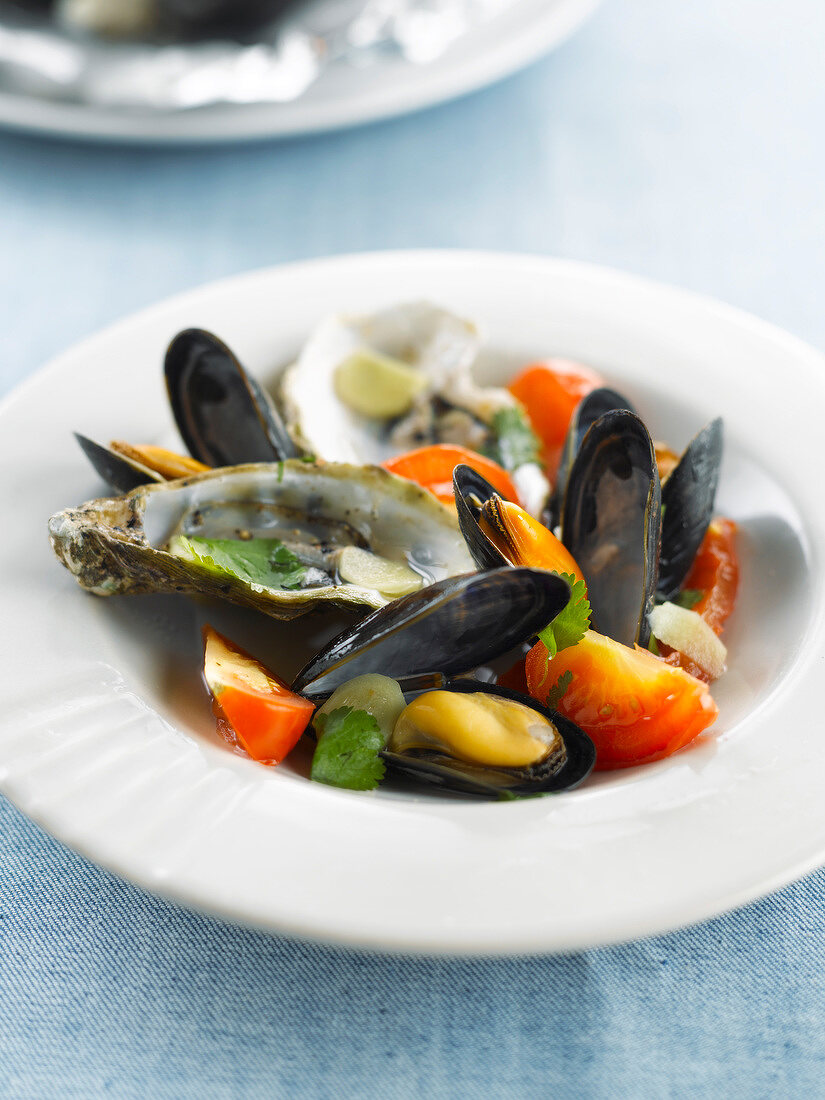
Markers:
{"x": 653, "y": 646}
{"x": 558, "y": 689}
{"x": 516, "y": 443}
{"x": 347, "y": 752}
{"x": 571, "y": 623}
{"x": 688, "y": 597}
{"x": 257, "y": 561}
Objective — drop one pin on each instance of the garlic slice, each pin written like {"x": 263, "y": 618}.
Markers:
{"x": 390, "y": 578}
{"x": 688, "y": 632}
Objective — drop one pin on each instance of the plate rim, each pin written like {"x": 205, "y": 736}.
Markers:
{"x": 737, "y": 315}
{"x": 423, "y": 258}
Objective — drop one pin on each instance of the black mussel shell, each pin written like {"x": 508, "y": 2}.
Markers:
{"x": 223, "y": 415}
{"x": 559, "y": 772}
{"x": 688, "y": 497}
{"x": 589, "y": 409}
{"x": 231, "y": 16}
{"x": 122, "y": 473}
{"x": 447, "y": 628}
{"x": 472, "y": 491}
{"x": 611, "y": 524}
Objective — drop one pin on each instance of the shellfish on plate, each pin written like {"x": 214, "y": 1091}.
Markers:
{"x": 365, "y": 388}
{"x": 320, "y": 514}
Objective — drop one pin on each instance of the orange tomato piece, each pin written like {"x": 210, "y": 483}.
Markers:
{"x": 635, "y": 707}
{"x": 432, "y": 468}
{"x": 666, "y": 459}
{"x": 255, "y": 709}
{"x": 550, "y": 392}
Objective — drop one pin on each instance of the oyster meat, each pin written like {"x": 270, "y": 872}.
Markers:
{"x": 349, "y": 527}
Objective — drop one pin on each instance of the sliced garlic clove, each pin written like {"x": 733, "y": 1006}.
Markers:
{"x": 688, "y": 632}
{"x": 390, "y": 578}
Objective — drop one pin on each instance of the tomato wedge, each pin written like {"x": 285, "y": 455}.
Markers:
{"x": 715, "y": 572}
{"x": 635, "y": 707}
{"x": 550, "y": 392}
{"x": 255, "y": 710}
{"x": 432, "y": 468}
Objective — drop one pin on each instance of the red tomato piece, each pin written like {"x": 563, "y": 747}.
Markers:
{"x": 715, "y": 572}
{"x": 635, "y": 707}
{"x": 264, "y": 717}
{"x": 550, "y": 392}
{"x": 432, "y": 468}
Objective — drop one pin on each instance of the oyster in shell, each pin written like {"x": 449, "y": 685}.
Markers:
{"x": 410, "y": 383}
{"x": 319, "y": 513}
{"x": 432, "y": 341}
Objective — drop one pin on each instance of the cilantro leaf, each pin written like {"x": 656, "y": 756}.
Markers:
{"x": 516, "y": 443}
{"x": 688, "y": 597}
{"x": 347, "y": 753}
{"x": 572, "y": 622}
{"x": 257, "y": 561}
{"x": 558, "y": 689}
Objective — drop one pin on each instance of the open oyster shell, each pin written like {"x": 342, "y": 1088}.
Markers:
{"x": 120, "y": 544}
{"x": 440, "y": 344}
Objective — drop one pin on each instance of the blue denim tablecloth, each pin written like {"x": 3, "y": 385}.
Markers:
{"x": 679, "y": 141}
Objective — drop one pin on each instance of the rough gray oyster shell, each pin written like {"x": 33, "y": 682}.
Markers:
{"x": 120, "y": 544}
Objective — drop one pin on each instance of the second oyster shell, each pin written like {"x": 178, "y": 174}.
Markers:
{"x": 120, "y": 544}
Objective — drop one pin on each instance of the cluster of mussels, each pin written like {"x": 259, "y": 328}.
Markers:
{"x": 634, "y": 540}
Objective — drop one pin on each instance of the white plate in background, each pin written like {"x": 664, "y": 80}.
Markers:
{"x": 106, "y": 735}
{"x": 344, "y": 95}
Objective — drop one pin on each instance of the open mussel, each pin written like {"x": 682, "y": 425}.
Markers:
{"x": 120, "y": 471}
{"x": 125, "y": 466}
{"x": 472, "y": 492}
{"x": 611, "y": 524}
{"x": 499, "y": 532}
{"x": 567, "y": 761}
{"x": 281, "y": 538}
{"x": 688, "y": 497}
{"x": 222, "y": 413}
{"x": 425, "y": 640}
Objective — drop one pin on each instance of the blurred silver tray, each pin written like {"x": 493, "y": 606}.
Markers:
{"x": 326, "y": 64}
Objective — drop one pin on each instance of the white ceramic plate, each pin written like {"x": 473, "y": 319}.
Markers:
{"x": 343, "y": 96}
{"x": 107, "y": 740}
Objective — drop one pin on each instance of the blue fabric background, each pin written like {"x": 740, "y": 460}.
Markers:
{"x": 679, "y": 141}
